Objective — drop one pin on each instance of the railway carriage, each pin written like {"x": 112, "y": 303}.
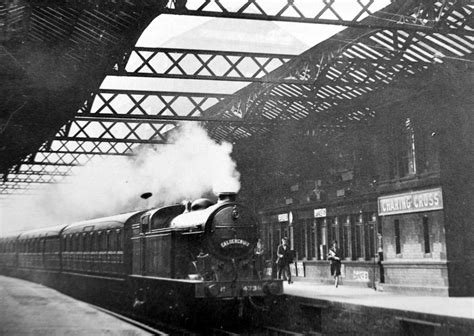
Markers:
{"x": 8, "y": 254}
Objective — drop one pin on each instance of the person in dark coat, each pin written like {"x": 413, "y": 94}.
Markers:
{"x": 259, "y": 258}
{"x": 284, "y": 259}
{"x": 334, "y": 256}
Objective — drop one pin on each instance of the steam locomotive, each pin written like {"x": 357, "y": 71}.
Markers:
{"x": 170, "y": 259}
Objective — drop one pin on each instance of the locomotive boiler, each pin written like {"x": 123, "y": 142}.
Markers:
{"x": 176, "y": 259}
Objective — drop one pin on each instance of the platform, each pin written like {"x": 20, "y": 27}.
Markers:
{"x": 458, "y": 307}
{"x": 28, "y": 308}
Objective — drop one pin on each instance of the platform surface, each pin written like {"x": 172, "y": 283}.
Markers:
{"x": 27, "y": 308}
{"x": 458, "y": 307}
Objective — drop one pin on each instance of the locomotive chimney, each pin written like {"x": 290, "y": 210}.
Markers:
{"x": 227, "y": 196}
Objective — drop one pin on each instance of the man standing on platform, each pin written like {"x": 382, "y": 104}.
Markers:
{"x": 284, "y": 258}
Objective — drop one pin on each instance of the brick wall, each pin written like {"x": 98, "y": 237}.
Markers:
{"x": 416, "y": 273}
{"x": 412, "y": 240}
{"x": 359, "y": 273}
{"x": 413, "y": 267}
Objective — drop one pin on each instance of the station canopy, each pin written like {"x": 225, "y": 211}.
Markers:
{"x": 89, "y": 79}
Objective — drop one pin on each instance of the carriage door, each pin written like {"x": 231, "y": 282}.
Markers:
{"x": 139, "y": 241}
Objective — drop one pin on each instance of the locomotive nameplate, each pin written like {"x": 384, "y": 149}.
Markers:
{"x": 234, "y": 241}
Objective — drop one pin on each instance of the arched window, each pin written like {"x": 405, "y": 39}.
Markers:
{"x": 403, "y": 154}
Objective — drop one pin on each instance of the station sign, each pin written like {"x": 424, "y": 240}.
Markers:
{"x": 415, "y": 201}
{"x": 283, "y": 217}
{"x": 320, "y": 213}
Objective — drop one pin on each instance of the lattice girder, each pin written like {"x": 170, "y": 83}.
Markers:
{"x": 88, "y": 147}
{"x": 154, "y": 104}
{"x": 201, "y": 64}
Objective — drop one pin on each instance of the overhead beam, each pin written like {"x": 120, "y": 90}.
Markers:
{"x": 422, "y": 17}
{"x": 160, "y": 119}
{"x": 84, "y": 152}
{"x": 108, "y": 140}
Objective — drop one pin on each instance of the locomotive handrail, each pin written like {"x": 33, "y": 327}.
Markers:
{"x": 192, "y": 233}
{"x": 233, "y": 226}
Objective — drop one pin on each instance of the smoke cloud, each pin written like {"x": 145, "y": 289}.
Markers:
{"x": 191, "y": 166}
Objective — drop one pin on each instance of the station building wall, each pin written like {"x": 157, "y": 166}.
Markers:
{"x": 422, "y": 145}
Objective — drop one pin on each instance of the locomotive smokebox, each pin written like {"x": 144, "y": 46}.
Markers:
{"x": 227, "y": 196}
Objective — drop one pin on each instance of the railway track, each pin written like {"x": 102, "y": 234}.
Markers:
{"x": 160, "y": 328}
{"x": 151, "y": 326}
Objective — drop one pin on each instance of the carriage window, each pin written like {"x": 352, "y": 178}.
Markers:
{"x": 100, "y": 236}
{"x": 91, "y": 242}
{"x": 107, "y": 240}
{"x": 119, "y": 240}
{"x": 85, "y": 243}
{"x": 112, "y": 241}
{"x": 94, "y": 243}
{"x": 49, "y": 245}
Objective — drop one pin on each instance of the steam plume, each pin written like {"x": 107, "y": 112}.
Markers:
{"x": 191, "y": 166}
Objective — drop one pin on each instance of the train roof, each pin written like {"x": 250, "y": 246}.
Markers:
{"x": 46, "y": 232}
{"x": 9, "y": 237}
{"x": 104, "y": 223}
